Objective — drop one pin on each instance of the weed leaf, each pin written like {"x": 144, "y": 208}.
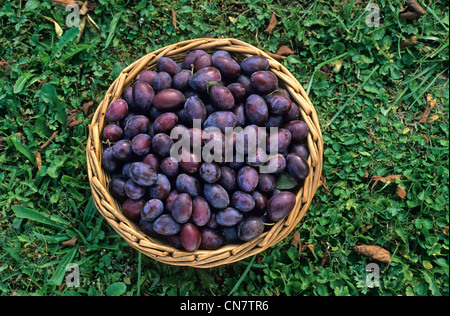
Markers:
{"x": 20, "y": 83}
{"x": 48, "y": 93}
{"x": 28, "y": 213}
{"x": 112, "y": 28}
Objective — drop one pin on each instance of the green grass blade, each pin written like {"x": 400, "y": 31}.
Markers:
{"x": 238, "y": 283}
{"x": 320, "y": 66}
{"x": 352, "y": 96}
{"x": 60, "y": 271}
{"x": 138, "y": 293}
{"x": 428, "y": 87}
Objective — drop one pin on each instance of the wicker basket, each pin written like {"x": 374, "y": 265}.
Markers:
{"x": 157, "y": 249}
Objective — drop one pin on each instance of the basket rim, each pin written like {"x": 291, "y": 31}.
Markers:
{"x": 160, "y": 251}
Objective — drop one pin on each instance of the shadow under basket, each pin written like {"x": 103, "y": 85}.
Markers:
{"x": 158, "y": 249}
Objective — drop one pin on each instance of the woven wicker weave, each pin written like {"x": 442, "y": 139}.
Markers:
{"x": 157, "y": 249}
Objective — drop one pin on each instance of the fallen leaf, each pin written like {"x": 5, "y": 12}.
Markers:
{"x": 6, "y": 65}
{"x": 401, "y": 192}
{"x": 416, "y": 7}
{"x": 376, "y": 253}
{"x": 413, "y": 11}
{"x": 74, "y": 123}
{"x": 391, "y": 178}
{"x": 94, "y": 25}
{"x": 433, "y": 118}
{"x": 174, "y": 19}
{"x": 58, "y": 28}
{"x": 92, "y": 22}
{"x": 70, "y": 242}
{"x": 284, "y": 51}
{"x": 86, "y": 7}
{"x": 324, "y": 184}
{"x": 296, "y": 240}
{"x": 81, "y": 27}
{"x": 85, "y": 108}
{"x": 72, "y": 116}
{"x": 325, "y": 70}
{"x": 301, "y": 247}
{"x": 272, "y": 24}
{"x": 337, "y": 65}
{"x": 431, "y": 102}
{"x": 409, "y": 42}
{"x": 326, "y": 255}
{"x": 37, "y": 154}
{"x": 408, "y": 15}
{"x": 308, "y": 246}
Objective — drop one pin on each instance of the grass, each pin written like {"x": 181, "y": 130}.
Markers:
{"x": 370, "y": 94}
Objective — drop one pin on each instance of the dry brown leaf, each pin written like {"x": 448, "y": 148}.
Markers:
{"x": 433, "y": 118}
{"x": 413, "y": 11}
{"x": 324, "y": 184}
{"x": 6, "y": 65}
{"x": 272, "y": 24}
{"x": 416, "y": 7}
{"x": 308, "y": 246}
{"x": 85, "y": 108}
{"x": 391, "y": 178}
{"x": 401, "y": 192}
{"x": 296, "y": 240}
{"x": 325, "y": 70}
{"x": 409, "y": 15}
{"x": 376, "y": 253}
{"x": 326, "y": 255}
{"x": 86, "y": 7}
{"x": 284, "y": 51}
{"x": 409, "y": 42}
{"x": 64, "y": 3}
{"x": 431, "y": 102}
{"x": 70, "y": 242}
{"x": 174, "y": 19}
{"x": 301, "y": 247}
{"x": 81, "y": 27}
{"x": 74, "y": 123}
{"x": 37, "y": 154}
